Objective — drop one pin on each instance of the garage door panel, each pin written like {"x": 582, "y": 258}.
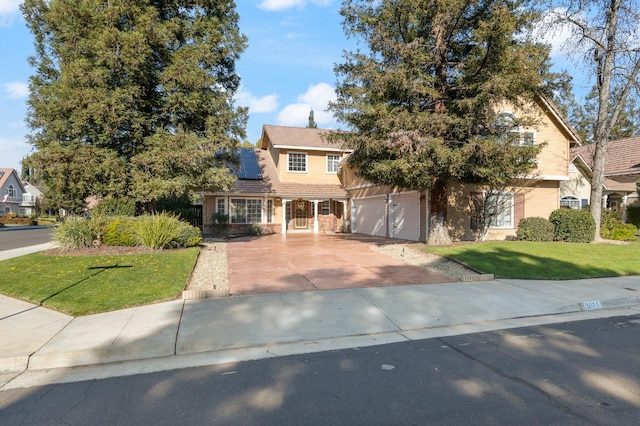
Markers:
{"x": 405, "y": 217}
{"x": 370, "y": 216}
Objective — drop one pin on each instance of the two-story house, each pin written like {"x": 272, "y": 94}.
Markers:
{"x": 289, "y": 184}
{"x": 14, "y": 198}
{"x": 396, "y": 213}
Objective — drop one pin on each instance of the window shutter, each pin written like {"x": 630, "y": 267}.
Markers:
{"x": 518, "y": 209}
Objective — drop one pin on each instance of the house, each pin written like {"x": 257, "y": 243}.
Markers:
{"x": 386, "y": 212}
{"x": 288, "y": 184}
{"x": 622, "y": 171}
{"x": 31, "y": 197}
{"x": 14, "y": 198}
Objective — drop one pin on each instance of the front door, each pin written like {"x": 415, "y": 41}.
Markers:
{"x": 300, "y": 214}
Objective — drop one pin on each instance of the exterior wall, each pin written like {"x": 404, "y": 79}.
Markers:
{"x": 316, "y": 167}
{"x": 539, "y": 200}
{"x": 577, "y": 185}
{"x": 12, "y": 203}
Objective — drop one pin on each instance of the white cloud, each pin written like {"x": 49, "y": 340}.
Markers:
{"x": 8, "y": 10}
{"x": 13, "y": 150}
{"x": 316, "y": 98}
{"x": 16, "y": 89}
{"x": 275, "y": 5}
{"x": 268, "y": 103}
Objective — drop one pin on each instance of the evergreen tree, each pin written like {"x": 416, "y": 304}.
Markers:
{"x": 422, "y": 100}
{"x": 312, "y": 123}
{"x": 133, "y": 99}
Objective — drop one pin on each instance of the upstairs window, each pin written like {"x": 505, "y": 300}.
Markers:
{"x": 297, "y": 162}
{"x": 507, "y": 122}
{"x": 11, "y": 191}
{"x": 333, "y": 163}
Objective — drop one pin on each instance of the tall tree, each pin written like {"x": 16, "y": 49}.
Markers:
{"x": 606, "y": 34}
{"x": 422, "y": 99}
{"x": 312, "y": 122}
{"x": 134, "y": 97}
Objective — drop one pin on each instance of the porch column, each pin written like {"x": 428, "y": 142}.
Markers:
{"x": 315, "y": 216}
{"x": 344, "y": 216}
{"x": 605, "y": 198}
{"x": 284, "y": 216}
{"x": 624, "y": 207}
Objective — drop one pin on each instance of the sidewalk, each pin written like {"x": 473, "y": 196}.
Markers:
{"x": 42, "y": 346}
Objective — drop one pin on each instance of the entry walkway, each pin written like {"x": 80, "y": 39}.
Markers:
{"x": 298, "y": 262}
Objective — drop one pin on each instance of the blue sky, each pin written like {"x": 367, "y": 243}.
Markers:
{"x": 286, "y": 71}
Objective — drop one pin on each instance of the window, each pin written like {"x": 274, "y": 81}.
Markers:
{"x": 325, "y": 208}
{"x": 245, "y": 210}
{"x": 507, "y": 122}
{"x": 570, "y": 201}
{"x": 297, "y": 162}
{"x": 7, "y": 209}
{"x": 220, "y": 207}
{"x": 269, "y": 211}
{"x": 499, "y": 209}
{"x": 333, "y": 162}
{"x": 11, "y": 191}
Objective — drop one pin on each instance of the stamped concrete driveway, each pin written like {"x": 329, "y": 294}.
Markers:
{"x": 299, "y": 262}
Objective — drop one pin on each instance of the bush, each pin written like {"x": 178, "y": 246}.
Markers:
{"x": 612, "y": 228}
{"x": 120, "y": 231}
{"x": 255, "y": 229}
{"x": 576, "y": 226}
{"x": 158, "y": 231}
{"x": 190, "y": 236}
{"x": 535, "y": 229}
{"x": 79, "y": 232}
{"x": 115, "y": 207}
{"x": 633, "y": 215}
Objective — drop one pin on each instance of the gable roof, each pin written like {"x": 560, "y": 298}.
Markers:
{"x": 6, "y": 173}
{"x": 298, "y": 137}
{"x": 553, "y": 109}
{"x": 623, "y": 156}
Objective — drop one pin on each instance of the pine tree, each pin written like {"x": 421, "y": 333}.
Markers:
{"x": 312, "y": 122}
{"x": 422, "y": 104}
{"x": 133, "y": 99}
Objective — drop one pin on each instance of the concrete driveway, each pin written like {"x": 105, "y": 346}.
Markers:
{"x": 299, "y": 262}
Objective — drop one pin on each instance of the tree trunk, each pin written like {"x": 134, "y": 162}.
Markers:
{"x": 438, "y": 202}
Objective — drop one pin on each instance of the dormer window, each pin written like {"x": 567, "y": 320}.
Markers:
{"x": 297, "y": 162}
{"x": 507, "y": 122}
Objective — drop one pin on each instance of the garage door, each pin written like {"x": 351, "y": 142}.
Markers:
{"x": 404, "y": 216}
{"x": 369, "y": 216}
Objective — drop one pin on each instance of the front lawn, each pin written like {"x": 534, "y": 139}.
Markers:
{"x": 546, "y": 261}
{"x": 82, "y": 285}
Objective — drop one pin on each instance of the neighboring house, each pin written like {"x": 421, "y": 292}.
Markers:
{"x": 34, "y": 196}
{"x": 622, "y": 171}
{"x": 381, "y": 211}
{"x": 14, "y": 198}
{"x": 289, "y": 184}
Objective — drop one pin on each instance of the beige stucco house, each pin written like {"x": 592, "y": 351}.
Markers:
{"x": 288, "y": 184}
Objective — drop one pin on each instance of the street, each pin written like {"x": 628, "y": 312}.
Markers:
{"x": 24, "y": 237}
{"x": 585, "y": 372}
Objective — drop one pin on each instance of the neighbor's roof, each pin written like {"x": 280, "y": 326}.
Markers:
{"x": 623, "y": 156}
{"x": 4, "y": 176}
{"x": 298, "y": 137}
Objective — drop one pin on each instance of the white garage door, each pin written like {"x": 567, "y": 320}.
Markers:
{"x": 404, "y": 216}
{"x": 369, "y": 216}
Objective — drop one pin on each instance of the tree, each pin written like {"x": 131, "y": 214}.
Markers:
{"x": 422, "y": 101}
{"x": 312, "y": 123}
{"x": 605, "y": 33}
{"x": 133, "y": 99}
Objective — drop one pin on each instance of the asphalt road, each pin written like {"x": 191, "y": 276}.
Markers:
{"x": 24, "y": 237}
{"x": 579, "y": 373}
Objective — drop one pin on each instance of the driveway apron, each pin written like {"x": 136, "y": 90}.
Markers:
{"x": 298, "y": 262}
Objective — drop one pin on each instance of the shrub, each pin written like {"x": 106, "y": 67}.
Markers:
{"x": 120, "y": 231}
{"x": 535, "y": 229}
{"x": 255, "y": 229}
{"x": 576, "y": 226}
{"x": 79, "y": 232}
{"x": 115, "y": 207}
{"x": 633, "y": 215}
{"x": 190, "y": 236}
{"x": 158, "y": 231}
{"x": 612, "y": 228}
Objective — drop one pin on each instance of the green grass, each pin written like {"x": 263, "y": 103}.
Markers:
{"x": 547, "y": 261}
{"x": 82, "y": 285}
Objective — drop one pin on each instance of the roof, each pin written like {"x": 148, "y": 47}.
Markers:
{"x": 555, "y": 111}
{"x": 249, "y": 168}
{"x": 623, "y": 156}
{"x": 298, "y": 137}
{"x": 4, "y": 176}
{"x": 270, "y": 184}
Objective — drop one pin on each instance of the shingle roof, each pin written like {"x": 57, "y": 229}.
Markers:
{"x": 623, "y": 156}
{"x": 4, "y": 175}
{"x": 270, "y": 184}
{"x": 297, "y": 137}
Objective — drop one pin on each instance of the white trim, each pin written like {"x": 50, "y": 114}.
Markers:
{"x": 311, "y": 148}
